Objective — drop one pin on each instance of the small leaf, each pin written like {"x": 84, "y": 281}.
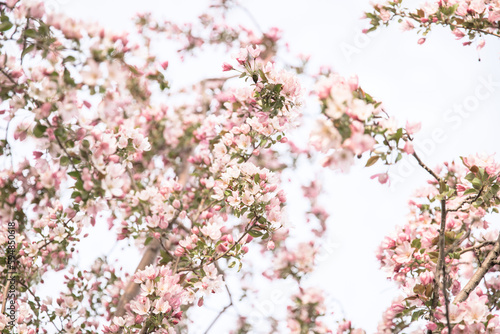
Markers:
{"x": 5, "y": 25}
{"x": 64, "y": 161}
{"x": 39, "y": 130}
{"x": 27, "y": 50}
{"x": 372, "y": 160}
{"x": 470, "y": 191}
{"x": 255, "y": 234}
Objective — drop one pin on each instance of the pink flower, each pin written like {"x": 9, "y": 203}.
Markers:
{"x": 458, "y": 33}
{"x": 407, "y": 25}
{"x": 427, "y": 277}
{"x": 242, "y": 56}
{"x": 408, "y": 148}
{"x": 404, "y": 253}
{"x": 141, "y": 306}
{"x": 253, "y": 51}
{"x": 212, "y": 230}
{"x": 360, "y": 143}
{"x": 413, "y": 128}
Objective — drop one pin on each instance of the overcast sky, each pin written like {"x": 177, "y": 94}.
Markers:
{"x": 427, "y": 83}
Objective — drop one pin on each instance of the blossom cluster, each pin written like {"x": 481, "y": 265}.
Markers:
{"x": 453, "y": 210}
{"x": 354, "y": 123}
{"x": 466, "y": 18}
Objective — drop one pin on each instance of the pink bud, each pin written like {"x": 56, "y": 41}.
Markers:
{"x": 179, "y": 251}
{"x": 226, "y": 67}
{"x": 421, "y": 41}
{"x": 353, "y": 83}
{"x": 480, "y": 44}
{"x": 431, "y": 326}
{"x": 114, "y": 158}
{"x": 270, "y": 245}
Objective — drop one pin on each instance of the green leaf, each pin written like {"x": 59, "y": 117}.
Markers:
{"x": 255, "y": 234}
{"x": 30, "y": 33}
{"x": 470, "y": 191}
{"x": 416, "y": 315}
{"x": 476, "y": 183}
{"x": 64, "y": 161}
{"x": 5, "y": 25}
{"x": 79, "y": 185}
{"x": 69, "y": 59}
{"x": 469, "y": 177}
{"x": 39, "y": 130}
{"x": 27, "y": 50}
{"x": 416, "y": 243}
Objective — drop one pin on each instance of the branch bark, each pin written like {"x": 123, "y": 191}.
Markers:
{"x": 479, "y": 274}
{"x": 5, "y": 292}
{"x": 133, "y": 288}
{"x": 149, "y": 256}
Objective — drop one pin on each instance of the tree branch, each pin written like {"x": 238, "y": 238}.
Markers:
{"x": 5, "y": 292}
{"x": 441, "y": 265}
{"x": 424, "y": 166}
{"x": 133, "y": 288}
{"x": 488, "y": 262}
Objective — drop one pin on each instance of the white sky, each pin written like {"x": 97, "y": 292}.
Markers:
{"x": 416, "y": 82}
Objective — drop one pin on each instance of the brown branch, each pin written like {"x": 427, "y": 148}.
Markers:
{"x": 441, "y": 265}
{"x": 473, "y": 248}
{"x": 70, "y": 158}
{"x": 482, "y": 31}
{"x": 458, "y": 242}
{"x": 424, "y": 166}
{"x": 133, "y": 288}
{"x": 488, "y": 262}
{"x": 5, "y": 292}
{"x": 149, "y": 256}
{"x": 8, "y": 76}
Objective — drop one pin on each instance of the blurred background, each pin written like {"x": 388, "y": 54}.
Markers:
{"x": 453, "y": 90}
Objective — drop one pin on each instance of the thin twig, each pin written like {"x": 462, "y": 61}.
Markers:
{"x": 218, "y": 316}
{"x": 473, "y": 248}
{"x": 424, "y": 166}
{"x": 7, "y": 75}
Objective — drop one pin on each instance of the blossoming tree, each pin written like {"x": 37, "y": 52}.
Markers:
{"x": 95, "y": 134}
